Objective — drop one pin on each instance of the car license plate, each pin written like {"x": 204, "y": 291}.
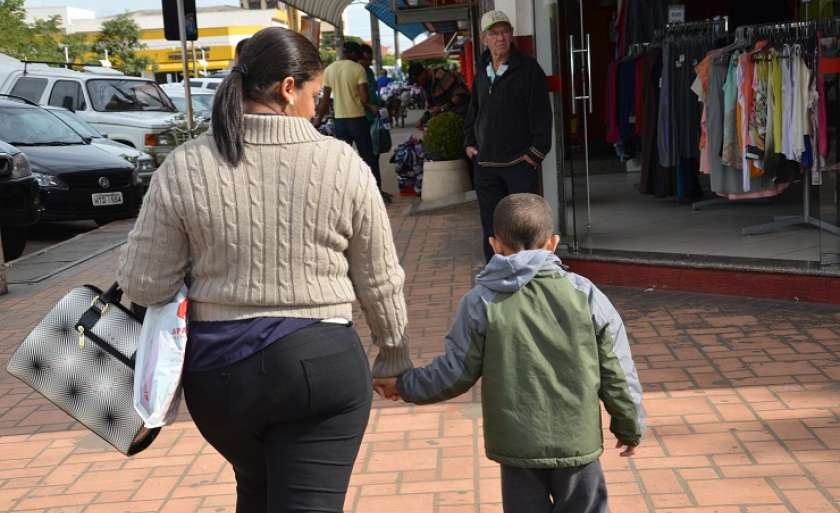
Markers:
{"x": 104, "y": 199}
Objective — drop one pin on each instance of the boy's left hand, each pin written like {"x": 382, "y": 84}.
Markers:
{"x": 386, "y": 388}
{"x": 629, "y": 450}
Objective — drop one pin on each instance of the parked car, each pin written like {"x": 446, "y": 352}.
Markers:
{"x": 130, "y": 110}
{"x": 77, "y": 180}
{"x": 202, "y": 99}
{"x": 20, "y": 203}
{"x": 142, "y": 162}
{"x": 209, "y": 84}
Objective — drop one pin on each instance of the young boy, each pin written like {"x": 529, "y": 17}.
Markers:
{"x": 548, "y": 345}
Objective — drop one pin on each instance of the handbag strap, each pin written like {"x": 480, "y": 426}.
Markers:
{"x": 114, "y": 294}
{"x": 98, "y": 307}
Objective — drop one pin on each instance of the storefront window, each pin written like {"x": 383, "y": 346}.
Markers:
{"x": 670, "y": 151}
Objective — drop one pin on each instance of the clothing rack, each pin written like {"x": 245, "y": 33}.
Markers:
{"x": 714, "y": 25}
{"x": 798, "y": 30}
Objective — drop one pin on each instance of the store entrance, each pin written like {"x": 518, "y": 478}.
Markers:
{"x": 625, "y": 198}
{"x": 585, "y": 30}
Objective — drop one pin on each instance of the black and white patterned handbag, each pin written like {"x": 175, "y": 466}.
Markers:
{"x": 81, "y": 357}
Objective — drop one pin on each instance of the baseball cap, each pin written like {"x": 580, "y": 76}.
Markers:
{"x": 491, "y": 18}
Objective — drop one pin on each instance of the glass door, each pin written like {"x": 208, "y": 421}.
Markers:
{"x": 828, "y": 212}
{"x": 579, "y": 106}
{"x": 826, "y": 204}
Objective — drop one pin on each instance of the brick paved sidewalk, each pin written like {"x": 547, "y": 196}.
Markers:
{"x": 743, "y": 400}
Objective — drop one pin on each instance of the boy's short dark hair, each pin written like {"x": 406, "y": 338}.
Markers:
{"x": 523, "y": 221}
{"x": 367, "y": 50}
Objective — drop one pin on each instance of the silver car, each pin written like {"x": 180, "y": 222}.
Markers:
{"x": 143, "y": 162}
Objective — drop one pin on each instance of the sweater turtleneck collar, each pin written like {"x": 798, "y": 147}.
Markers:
{"x": 279, "y": 130}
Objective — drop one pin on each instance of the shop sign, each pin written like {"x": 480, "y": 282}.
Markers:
{"x": 676, "y": 14}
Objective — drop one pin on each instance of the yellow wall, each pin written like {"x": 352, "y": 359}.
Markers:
{"x": 217, "y": 57}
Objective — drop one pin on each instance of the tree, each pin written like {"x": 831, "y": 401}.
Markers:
{"x": 327, "y": 56}
{"x": 13, "y": 30}
{"x": 77, "y": 47}
{"x": 41, "y": 41}
{"x": 327, "y": 41}
{"x": 121, "y": 37}
{"x": 44, "y": 39}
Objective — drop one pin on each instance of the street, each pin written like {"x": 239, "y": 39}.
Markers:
{"x": 42, "y": 236}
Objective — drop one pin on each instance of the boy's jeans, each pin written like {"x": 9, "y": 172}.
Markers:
{"x": 562, "y": 490}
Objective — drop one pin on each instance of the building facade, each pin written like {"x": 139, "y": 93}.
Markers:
{"x": 220, "y": 29}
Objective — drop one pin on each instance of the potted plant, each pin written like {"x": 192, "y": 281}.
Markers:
{"x": 445, "y": 171}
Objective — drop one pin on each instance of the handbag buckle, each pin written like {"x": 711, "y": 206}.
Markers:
{"x": 101, "y": 306}
{"x": 81, "y": 330}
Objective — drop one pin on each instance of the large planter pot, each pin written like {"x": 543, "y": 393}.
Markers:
{"x": 444, "y": 178}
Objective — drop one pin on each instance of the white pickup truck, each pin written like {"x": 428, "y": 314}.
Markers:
{"x": 129, "y": 110}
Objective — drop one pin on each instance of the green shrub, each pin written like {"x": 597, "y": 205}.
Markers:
{"x": 444, "y": 139}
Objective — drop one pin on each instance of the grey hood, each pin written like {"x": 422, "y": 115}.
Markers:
{"x": 511, "y": 273}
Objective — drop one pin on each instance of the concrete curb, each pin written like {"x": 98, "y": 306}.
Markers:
{"x": 454, "y": 200}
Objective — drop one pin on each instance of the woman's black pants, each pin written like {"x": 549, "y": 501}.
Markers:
{"x": 289, "y": 419}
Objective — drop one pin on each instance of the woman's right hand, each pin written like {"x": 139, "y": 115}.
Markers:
{"x": 386, "y": 388}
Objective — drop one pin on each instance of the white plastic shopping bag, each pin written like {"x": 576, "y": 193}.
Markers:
{"x": 159, "y": 361}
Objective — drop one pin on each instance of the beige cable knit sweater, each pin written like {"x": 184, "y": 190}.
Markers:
{"x": 298, "y": 229}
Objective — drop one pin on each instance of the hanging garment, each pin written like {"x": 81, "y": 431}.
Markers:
{"x": 613, "y": 134}
{"x": 663, "y": 130}
{"x": 787, "y": 64}
{"x": 638, "y": 108}
{"x": 822, "y": 122}
{"x": 651, "y": 175}
{"x": 730, "y": 153}
{"x": 778, "y": 102}
{"x": 626, "y": 106}
{"x": 799, "y": 79}
{"x": 769, "y": 134}
{"x": 758, "y": 116}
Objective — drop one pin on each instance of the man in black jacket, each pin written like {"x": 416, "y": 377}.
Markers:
{"x": 508, "y": 125}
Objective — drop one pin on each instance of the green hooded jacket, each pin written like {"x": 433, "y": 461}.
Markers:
{"x": 550, "y": 348}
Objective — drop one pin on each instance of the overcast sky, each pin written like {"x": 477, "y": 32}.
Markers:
{"x": 358, "y": 19}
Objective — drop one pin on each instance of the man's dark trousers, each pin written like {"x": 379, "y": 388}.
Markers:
{"x": 492, "y": 184}
{"x": 357, "y": 130}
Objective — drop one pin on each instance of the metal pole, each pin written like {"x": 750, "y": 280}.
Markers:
{"x": 583, "y": 113}
{"x": 376, "y": 43}
{"x": 339, "y": 41}
{"x": 194, "y": 59}
{"x": 475, "y": 33}
{"x": 398, "y": 63}
{"x": 182, "y": 31}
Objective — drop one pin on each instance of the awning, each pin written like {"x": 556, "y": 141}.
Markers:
{"x": 327, "y": 10}
{"x": 382, "y": 10}
{"x": 431, "y": 48}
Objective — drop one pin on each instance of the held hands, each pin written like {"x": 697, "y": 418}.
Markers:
{"x": 629, "y": 450}
{"x": 386, "y": 388}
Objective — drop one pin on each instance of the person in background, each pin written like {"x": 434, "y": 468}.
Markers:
{"x": 278, "y": 222}
{"x": 346, "y": 82}
{"x": 444, "y": 89}
{"x": 507, "y": 133}
{"x": 373, "y": 105}
{"x": 383, "y": 81}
